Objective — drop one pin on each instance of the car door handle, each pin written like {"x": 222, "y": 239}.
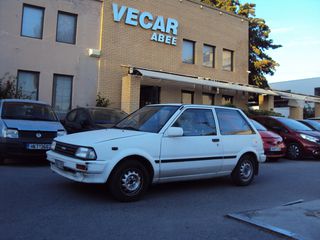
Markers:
{"x": 216, "y": 140}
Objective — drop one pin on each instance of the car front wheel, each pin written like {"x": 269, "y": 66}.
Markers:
{"x": 243, "y": 173}
{"x": 294, "y": 151}
{"x": 129, "y": 181}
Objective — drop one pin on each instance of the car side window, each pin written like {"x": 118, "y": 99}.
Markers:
{"x": 71, "y": 116}
{"x": 231, "y": 122}
{"x": 82, "y": 116}
{"x": 197, "y": 122}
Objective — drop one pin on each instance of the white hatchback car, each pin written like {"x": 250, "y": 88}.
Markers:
{"x": 162, "y": 143}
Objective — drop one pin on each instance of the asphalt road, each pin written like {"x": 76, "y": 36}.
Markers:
{"x": 36, "y": 204}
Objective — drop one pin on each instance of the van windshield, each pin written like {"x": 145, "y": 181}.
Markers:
{"x": 27, "y": 111}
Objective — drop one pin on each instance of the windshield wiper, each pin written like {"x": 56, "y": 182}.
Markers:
{"x": 127, "y": 128}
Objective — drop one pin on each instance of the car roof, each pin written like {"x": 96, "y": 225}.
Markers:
{"x": 23, "y": 101}
{"x": 191, "y": 105}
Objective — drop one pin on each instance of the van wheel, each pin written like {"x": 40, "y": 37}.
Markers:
{"x": 294, "y": 151}
{"x": 129, "y": 181}
{"x": 243, "y": 173}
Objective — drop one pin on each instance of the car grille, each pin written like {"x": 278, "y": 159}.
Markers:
{"x": 66, "y": 149}
{"x": 37, "y": 134}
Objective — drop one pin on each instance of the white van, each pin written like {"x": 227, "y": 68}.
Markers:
{"x": 162, "y": 143}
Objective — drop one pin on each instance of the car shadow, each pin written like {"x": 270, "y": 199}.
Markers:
{"x": 28, "y": 162}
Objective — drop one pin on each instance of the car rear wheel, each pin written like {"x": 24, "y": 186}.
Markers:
{"x": 129, "y": 181}
{"x": 243, "y": 173}
{"x": 294, "y": 151}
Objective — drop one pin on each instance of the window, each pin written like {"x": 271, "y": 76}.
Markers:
{"x": 196, "y": 122}
{"x": 32, "y": 21}
{"x": 226, "y": 99}
{"x": 66, "y": 27}
{"x": 227, "y": 62}
{"x": 28, "y": 84}
{"x": 231, "y": 122}
{"x": 187, "y": 97}
{"x": 188, "y": 52}
{"x": 208, "y": 98}
{"x": 317, "y": 91}
{"x": 62, "y": 93}
{"x": 208, "y": 55}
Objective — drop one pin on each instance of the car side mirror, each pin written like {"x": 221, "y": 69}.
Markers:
{"x": 174, "y": 132}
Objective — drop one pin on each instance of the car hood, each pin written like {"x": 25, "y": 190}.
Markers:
{"x": 268, "y": 134}
{"x": 311, "y": 133}
{"x": 90, "y": 138}
{"x": 32, "y": 125}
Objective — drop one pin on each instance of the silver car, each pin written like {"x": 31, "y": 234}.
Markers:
{"x": 27, "y": 128}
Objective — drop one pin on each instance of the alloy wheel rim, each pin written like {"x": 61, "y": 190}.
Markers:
{"x": 294, "y": 151}
{"x": 131, "y": 181}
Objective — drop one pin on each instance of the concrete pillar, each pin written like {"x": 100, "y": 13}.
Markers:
{"x": 296, "y": 113}
{"x": 218, "y": 99}
{"x": 130, "y": 94}
{"x": 296, "y": 109}
{"x": 266, "y": 102}
{"x": 317, "y": 109}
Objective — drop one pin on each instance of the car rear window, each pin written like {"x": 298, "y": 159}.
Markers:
{"x": 27, "y": 111}
{"x": 107, "y": 116}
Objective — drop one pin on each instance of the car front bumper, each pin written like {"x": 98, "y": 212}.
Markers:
{"x": 16, "y": 147}
{"x": 76, "y": 169}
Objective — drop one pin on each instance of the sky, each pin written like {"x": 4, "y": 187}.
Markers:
{"x": 296, "y": 26}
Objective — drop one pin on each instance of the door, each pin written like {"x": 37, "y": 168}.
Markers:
{"x": 197, "y": 153}
{"x": 149, "y": 95}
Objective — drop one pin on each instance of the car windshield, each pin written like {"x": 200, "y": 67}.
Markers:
{"x": 294, "y": 124}
{"x": 27, "y": 111}
{"x": 107, "y": 116}
{"x": 314, "y": 124}
{"x": 148, "y": 119}
{"x": 258, "y": 126}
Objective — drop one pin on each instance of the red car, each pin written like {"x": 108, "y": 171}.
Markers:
{"x": 273, "y": 144}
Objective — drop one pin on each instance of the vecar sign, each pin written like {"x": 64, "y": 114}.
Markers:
{"x": 167, "y": 27}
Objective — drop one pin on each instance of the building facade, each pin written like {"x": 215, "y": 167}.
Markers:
{"x": 45, "y": 44}
{"x": 132, "y": 52}
{"x": 174, "y": 37}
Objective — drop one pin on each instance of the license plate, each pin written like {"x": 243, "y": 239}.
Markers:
{"x": 275, "y": 149}
{"x": 38, "y": 146}
{"x": 59, "y": 164}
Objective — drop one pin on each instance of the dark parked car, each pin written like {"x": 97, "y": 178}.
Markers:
{"x": 301, "y": 141}
{"x": 273, "y": 144}
{"x": 27, "y": 128}
{"x": 313, "y": 124}
{"x": 92, "y": 118}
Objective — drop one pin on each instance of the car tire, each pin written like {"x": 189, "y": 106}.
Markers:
{"x": 129, "y": 181}
{"x": 294, "y": 151}
{"x": 243, "y": 173}
{"x": 1, "y": 160}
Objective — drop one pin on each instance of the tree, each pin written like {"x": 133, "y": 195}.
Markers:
{"x": 8, "y": 87}
{"x": 260, "y": 63}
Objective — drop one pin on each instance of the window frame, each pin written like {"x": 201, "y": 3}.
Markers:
{"x": 193, "y": 52}
{"x": 232, "y": 60}
{"x": 55, "y": 75}
{"x": 213, "y": 57}
{"x": 28, "y": 71}
{"x": 75, "y": 26}
{"x": 209, "y": 94}
{"x": 42, "y": 20}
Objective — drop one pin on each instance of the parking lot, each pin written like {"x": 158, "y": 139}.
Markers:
{"x": 38, "y": 204}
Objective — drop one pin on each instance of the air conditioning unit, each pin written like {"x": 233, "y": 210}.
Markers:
{"x": 94, "y": 53}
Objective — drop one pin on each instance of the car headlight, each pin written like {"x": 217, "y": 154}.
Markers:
{"x": 86, "y": 153}
{"x": 61, "y": 133}
{"x": 310, "y": 138}
{"x": 53, "y": 145}
{"x": 10, "y": 133}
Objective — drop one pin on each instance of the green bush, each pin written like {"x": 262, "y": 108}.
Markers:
{"x": 102, "y": 101}
{"x": 8, "y": 87}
